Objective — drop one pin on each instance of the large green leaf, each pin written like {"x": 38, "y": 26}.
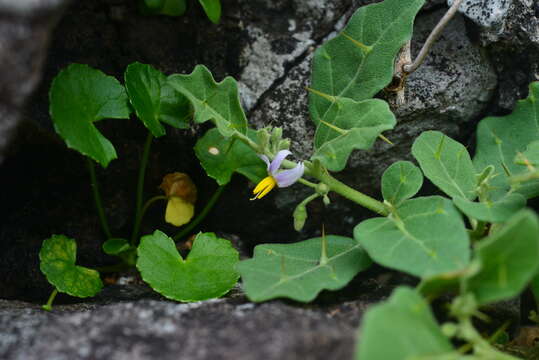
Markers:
{"x": 401, "y": 328}
{"x": 359, "y": 62}
{"x": 446, "y": 163}
{"x": 57, "y": 261}
{"x": 425, "y": 237}
{"x": 219, "y": 102}
{"x": 299, "y": 271}
{"x": 348, "y": 126}
{"x": 221, "y": 157}
{"x": 492, "y": 211}
{"x": 509, "y": 260}
{"x": 207, "y": 272}
{"x": 401, "y": 181}
{"x": 80, "y": 96}
{"x": 154, "y": 100}
{"x": 212, "y": 9}
{"x": 499, "y": 139}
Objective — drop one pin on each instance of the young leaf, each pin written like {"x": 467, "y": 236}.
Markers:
{"x": 348, "y": 126}
{"x": 57, "y": 261}
{"x": 401, "y": 328}
{"x": 492, "y": 211}
{"x": 115, "y": 246}
{"x": 509, "y": 260}
{"x": 299, "y": 271}
{"x": 154, "y": 100}
{"x": 446, "y": 163}
{"x": 212, "y": 9}
{"x": 359, "y": 62}
{"x": 425, "y": 238}
{"x": 219, "y": 102}
{"x": 80, "y": 96}
{"x": 207, "y": 272}
{"x": 401, "y": 181}
{"x": 221, "y": 157}
{"x": 499, "y": 139}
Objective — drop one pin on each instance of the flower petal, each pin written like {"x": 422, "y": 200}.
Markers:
{"x": 266, "y": 160}
{"x": 288, "y": 177}
{"x": 277, "y": 161}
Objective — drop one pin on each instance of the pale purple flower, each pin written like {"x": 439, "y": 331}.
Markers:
{"x": 276, "y": 177}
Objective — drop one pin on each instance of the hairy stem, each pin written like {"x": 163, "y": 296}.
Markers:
{"x": 97, "y": 199}
{"x": 209, "y": 205}
{"x": 140, "y": 187}
{"x": 434, "y": 35}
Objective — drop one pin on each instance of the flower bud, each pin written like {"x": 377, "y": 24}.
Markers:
{"x": 263, "y": 138}
{"x": 326, "y": 200}
{"x": 300, "y": 215}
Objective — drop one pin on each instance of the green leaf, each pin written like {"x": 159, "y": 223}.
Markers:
{"x": 57, "y": 261}
{"x": 530, "y": 157}
{"x": 425, "y": 237}
{"x": 499, "y": 139}
{"x": 401, "y": 181}
{"x": 434, "y": 286}
{"x": 491, "y": 211}
{"x": 212, "y": 9}
{"x": 154, "y": 100}
{"x": 509, "y": 260}
{"x": 207, "y": 272}
{"x": 446, "y": 163}
{"x": 359, "y": 62}
{"x": 115, "y": 246}
{"x": 221, "y": 157}
{"x": 173, "y": 7}
{"x": 401, "y": 328}
{"x": 219, "y": 102}
{"x": 350, "y": 125}
{"x": 80, "y": 96}
{"x": 300, "y": 271}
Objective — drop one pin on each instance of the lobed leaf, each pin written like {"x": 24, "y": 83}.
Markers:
{"x": 424, "y": 238}
{"x": 491, "y": 211}
{"x": 509, "y": 260}
{"x": 401, "y": 328}
{"x": 221, "y": 157}
{"x": 154, "y": 100}
{"x": 295, "y": 271}
{"x": 446, "y": 163}
{"x": 499, "y": 139}
{"x": 401, "y": 181}
{"x": 219, "y": 102}
{"x": 57, "y": 261}
{"x": 207, "y": 272}
{"x": 80, "y": 96}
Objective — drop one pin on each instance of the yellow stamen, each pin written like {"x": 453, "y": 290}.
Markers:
{"x": 264, "y": 187}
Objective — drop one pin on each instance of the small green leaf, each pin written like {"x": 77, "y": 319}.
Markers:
{"x": 347, "y": 126}
{"x": 509, "y": 260}
{"x": 219, "y": 102}
{"x": 154, "y": 100}
{"x": 115, "y": 246}
{"x": 57, "y": 261}
{"x": 401, "y": 328}
{"x": 221, "y": 157}
{"x": 80, "y": 96}
{"x": 301, "y": 270}
{"x": 491, "y": 211}
{"x": 359, "y": 62}
{"x": 446, "y": 163}
{"x": 499, "y": 139}
{"x": 207, "y": 272}
{"x": 212, "y": 9}
{"x": 401, "y": 181}
{"x": 425, "y": 237}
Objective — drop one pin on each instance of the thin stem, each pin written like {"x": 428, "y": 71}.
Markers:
{"x": 149, "y": 203}
{"x": 308, "y": 183}
{"x": 97, "y": 199}
{"x": 140, "y": 186}
{"x": 209, "y": 205}
{"x": 434, "y": 35}
{"x": 48, "y": 305}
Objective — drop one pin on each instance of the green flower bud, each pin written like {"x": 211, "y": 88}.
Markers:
{"x": 326, "y": 200}
{"x": 300, "y": 215}
{"x": 263, "y": 138}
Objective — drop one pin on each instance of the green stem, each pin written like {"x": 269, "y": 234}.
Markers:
{"x": 150, "y": 203}
{"x": 48, "y": 305}
{"x": 97, "y": 199}
{"x": 308, "y": 183}
{"x": 140, "y": 187}
{"x": 209, "y": 205}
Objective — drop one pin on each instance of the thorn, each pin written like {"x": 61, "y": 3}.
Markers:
{"x": 366, "y": 49}
{"x": 385, "y": 139}
{"x": 506, "y": 169}
{"x": 337, "y": 129}
{"x": 321, "y": 94}
{"x": 324, "y": 252}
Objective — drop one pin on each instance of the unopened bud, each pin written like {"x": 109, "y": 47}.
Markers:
{"x": 284, "y": 144}
{"x": 300, "y": 215}
{"x": 326, "y": 200}
{"x": 263, "y": 138}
